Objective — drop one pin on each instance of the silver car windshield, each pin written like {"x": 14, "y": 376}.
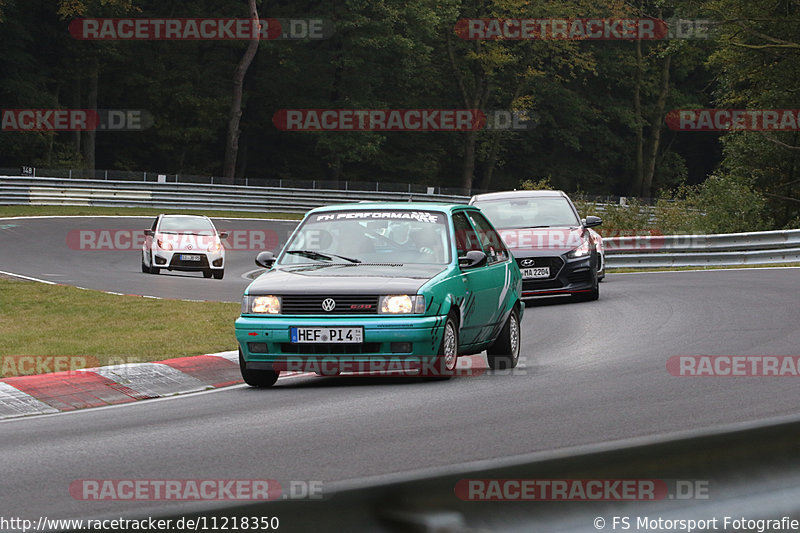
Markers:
{"x": 531, "y": 212}
{"x": 383, "y": 236}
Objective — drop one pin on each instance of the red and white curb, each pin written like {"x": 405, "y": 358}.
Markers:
{"x": 109, "y": 385}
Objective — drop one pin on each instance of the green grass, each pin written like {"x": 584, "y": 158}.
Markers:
{"x": 714, "y": 267}
{"x": 49, "y": 320}
{"x": 61, "y": 210}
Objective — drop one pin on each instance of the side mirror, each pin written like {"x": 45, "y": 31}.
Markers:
{"x": 223, "y": 235}
{"x": 265, "y": 259}
{"x": 473, "y": 259}
{"x": 592, "y": 221}
{"x": 149, "y": 233}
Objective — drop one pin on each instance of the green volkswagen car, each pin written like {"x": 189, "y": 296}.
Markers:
{"x": 374, "y": 287}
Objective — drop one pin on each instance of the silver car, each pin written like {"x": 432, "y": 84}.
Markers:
{"x": 188, "y": 243}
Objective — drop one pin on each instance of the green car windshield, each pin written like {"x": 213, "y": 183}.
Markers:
{"x": 530, "y": 212}
{"x": 370, "y": 236}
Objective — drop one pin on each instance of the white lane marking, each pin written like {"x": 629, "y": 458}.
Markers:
{"x": 19, "y": 404}
{"x": 13, "y": 275}
{"x": 27, "y": 278}
{"x": 150, "y": 401}
{"x": 14, "y": 403}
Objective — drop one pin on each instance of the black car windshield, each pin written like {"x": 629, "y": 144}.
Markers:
{"x": 529, "y": 212}
{"x": 185, "y": 224}
{"x": 368, "y": 237}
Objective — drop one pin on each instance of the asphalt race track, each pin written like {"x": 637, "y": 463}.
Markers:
{"x": 592, "y": 372}
{"x": 99, "y": 253}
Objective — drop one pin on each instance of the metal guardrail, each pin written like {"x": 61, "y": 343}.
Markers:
{"x": 656, "y": 251}
{"x": 730, "y": 249}
{"x": 289, "y": 183}
{"x": 101, "y": 193}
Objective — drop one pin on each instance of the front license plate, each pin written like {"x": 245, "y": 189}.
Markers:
{"x": 190, "y": 257}
{"x": 327, "y": 335}
{"x": 536, "y": 273}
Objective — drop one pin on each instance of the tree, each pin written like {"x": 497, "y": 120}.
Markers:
{"x": 504, "y": 73}
{"x": 758, "y": 63}
{"x": 89, "y": 59}
{"x": 232, "y": 141}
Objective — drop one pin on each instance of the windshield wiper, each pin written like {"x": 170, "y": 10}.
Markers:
{"x": 311, "y": 254}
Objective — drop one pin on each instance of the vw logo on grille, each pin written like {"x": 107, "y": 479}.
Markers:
{"x": 328, "y": 304}
{"x": 527, "y": 262}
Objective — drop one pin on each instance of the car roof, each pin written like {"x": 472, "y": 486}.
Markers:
{"x": 541, "y": 193}
{"x": 405, "y": 206}
{"x": 172, "y": 215}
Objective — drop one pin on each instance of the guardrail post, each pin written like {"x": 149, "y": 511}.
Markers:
{"x": 105, "y": 176}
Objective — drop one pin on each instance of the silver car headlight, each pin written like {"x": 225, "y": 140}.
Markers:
{"x": 261, "y": 305}
{"x": 399, "y": 304}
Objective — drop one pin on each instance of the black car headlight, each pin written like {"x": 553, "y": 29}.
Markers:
{"x": 580, "y": 251}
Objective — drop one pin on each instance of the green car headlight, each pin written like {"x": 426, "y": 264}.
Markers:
{"x": 262, "y": 305}
{"x": 398, "y": 304}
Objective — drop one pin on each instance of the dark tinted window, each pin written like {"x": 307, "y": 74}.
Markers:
{"x": 466, "y": 238}
{"x": 490, "y": 240}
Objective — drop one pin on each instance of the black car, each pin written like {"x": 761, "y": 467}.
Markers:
{"x": 551, "y": 243}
